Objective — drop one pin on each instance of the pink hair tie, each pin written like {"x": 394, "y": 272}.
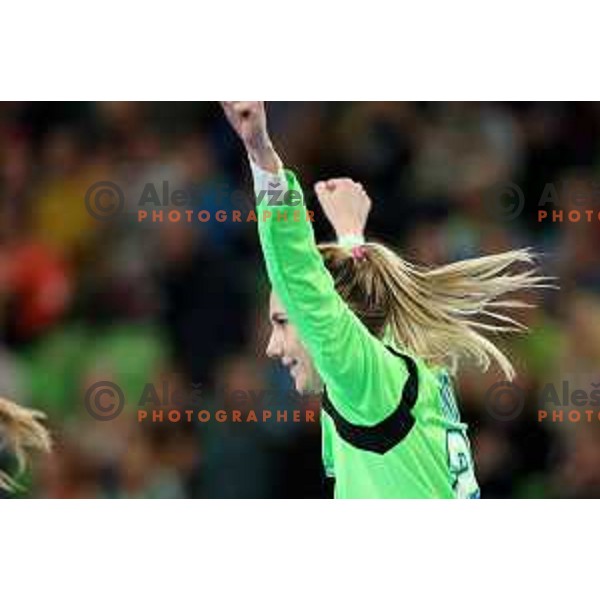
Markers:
{"x": 359, "y": 252}
{"x": 355, "y": 243}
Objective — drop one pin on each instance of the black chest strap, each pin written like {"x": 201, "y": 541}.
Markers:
{"x": 386, "y": 434}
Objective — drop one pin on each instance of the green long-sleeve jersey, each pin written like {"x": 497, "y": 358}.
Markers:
{"x": 390, "y": 424}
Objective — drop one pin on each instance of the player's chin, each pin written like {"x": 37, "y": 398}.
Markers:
{"x": 301, "y": 385}
{"x": 305, "y": 387}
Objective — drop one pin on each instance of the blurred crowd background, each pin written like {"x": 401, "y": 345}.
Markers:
{"x": 83, "y": 300}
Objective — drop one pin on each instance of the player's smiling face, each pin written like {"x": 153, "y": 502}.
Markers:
{"x": 285, "y": 345}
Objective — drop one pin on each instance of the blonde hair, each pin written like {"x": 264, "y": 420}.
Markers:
{"x": 20, "y": 433}
{"x": 439, "y": 314}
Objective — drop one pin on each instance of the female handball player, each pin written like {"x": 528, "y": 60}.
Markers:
{"x": 20, "y": 433}
{"x": 378, "y": 337}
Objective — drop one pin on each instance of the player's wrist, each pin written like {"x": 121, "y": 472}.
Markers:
{"x": 350, "y": 238}
{"x": 264, "y": 156}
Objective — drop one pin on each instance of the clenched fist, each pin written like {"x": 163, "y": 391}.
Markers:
{"x": 346, "y": 205}
{"x": 249, "y": 120}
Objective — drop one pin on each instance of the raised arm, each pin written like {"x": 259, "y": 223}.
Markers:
{"x": 363, "y": 378}
{"x": 249, "y": 121}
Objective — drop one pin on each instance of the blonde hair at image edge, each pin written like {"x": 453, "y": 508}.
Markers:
{"x": 21, "y": 433}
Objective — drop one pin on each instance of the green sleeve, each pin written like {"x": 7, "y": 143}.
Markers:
{"x": 364, "y": 380}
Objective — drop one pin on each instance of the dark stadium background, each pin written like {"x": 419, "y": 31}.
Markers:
{"x": 83, "y": 301}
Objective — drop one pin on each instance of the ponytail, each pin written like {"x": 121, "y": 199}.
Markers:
{"x": 442, "y": 315}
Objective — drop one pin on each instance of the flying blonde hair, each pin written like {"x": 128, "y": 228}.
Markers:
{"x": 20, "y": 433}
{"x": 441, "y": 314}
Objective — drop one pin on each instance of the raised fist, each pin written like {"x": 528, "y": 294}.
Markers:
{"x": 346, "y": 205}
{"x": 249, "y": 120}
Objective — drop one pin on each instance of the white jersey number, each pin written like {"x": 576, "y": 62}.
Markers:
{"x": 460, "y": 464}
